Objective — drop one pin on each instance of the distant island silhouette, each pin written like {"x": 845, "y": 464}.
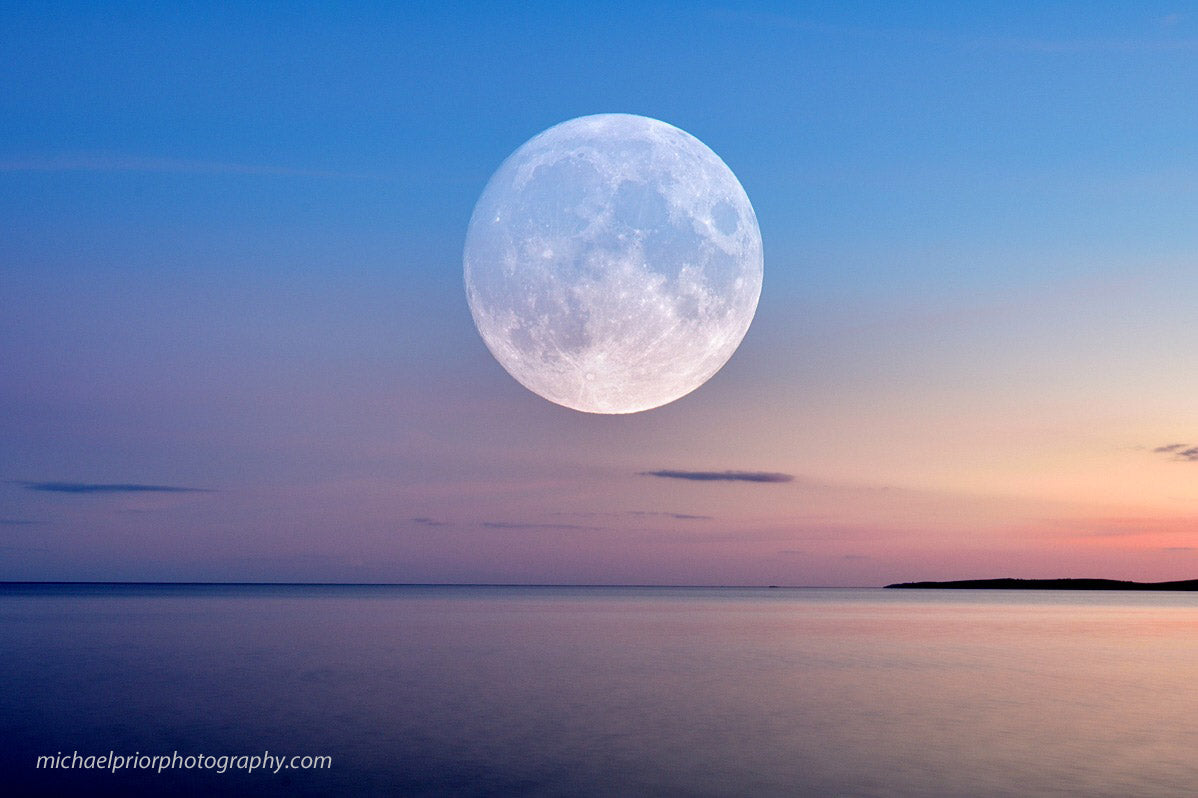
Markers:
{"x": 1049, "y": 584}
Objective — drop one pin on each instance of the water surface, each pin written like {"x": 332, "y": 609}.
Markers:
{"x": 606, "y": 691}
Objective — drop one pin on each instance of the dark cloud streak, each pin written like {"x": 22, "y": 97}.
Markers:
{"x": 638, "y": 514}
{"x": 678, "y": 516}
{"x": 92, "y": 487}
{"x": 722, "y": 476}
{"x": 523, "y": 525}
{"x": 1179, "y": 451}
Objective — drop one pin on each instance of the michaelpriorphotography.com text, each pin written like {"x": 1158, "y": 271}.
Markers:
{"x": 249, "y": 763}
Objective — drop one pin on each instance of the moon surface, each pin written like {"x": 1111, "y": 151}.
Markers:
{"x": 613, "y": 263}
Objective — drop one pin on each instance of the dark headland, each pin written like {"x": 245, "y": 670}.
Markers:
{"x": 1050, "y": 584}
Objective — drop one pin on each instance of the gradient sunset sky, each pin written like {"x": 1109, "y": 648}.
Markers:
{"x": 235, "y": 345}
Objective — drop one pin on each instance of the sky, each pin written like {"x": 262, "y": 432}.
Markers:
{"x": 235, "y": 344}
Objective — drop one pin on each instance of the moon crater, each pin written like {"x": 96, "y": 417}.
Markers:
{"x": 613, "y": 264}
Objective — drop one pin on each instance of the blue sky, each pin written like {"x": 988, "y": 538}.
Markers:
{"x": 232, "y": 260}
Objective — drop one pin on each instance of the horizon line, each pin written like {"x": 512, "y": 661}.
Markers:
{"x": 192, "y": 583}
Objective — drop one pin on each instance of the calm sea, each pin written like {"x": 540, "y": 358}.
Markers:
{"x": 605, "y": 691}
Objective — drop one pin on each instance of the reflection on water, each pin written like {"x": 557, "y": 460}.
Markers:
{"x": 608, "y": 691}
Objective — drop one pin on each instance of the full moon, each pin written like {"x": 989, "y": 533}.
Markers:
{"x": 613, "y": 263}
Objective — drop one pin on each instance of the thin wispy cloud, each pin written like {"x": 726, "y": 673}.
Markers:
{"x": 100, "y": 487}
{"x": 1177, "y": 529}
{"x": 1072, "y": 46}
{"x": 721, "y": 476}
{"x": 1166, "y": 41}
{"x": 1179, "y": 451}
{"x": 115, "y": 162}
{"x": 677, "y": 516}
{"x": 16, "y": 522}
{"x": 423, "y": 521}
{"x": 527, "y": 525}
{"x": 639, "y": 514}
